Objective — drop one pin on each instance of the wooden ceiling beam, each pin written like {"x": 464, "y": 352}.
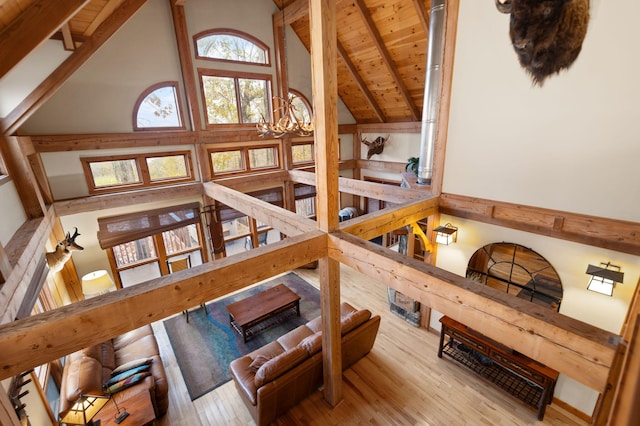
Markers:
{"x": 390, "y": 193}
{"x": 39, "y": 21}
{"x": 289, "y": 223}
{"x": 360, "y": 82}
{"x": 386, "y": 58}
{"x": 83, "y": 142}
{"x": 423, "y": 16}
{"x": 59, "y": 76}
{"x": 560, "y": 342}
{"x": 386, "y": 220}
{"x": 296, "y": 10}
{"x": 611, "y": 234}
{"x": 67, "y": 38}
{"x": 37, "y": 339}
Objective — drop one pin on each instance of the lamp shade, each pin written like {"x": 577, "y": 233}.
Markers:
{"x": 96, "y": 283}
{"x": 84, "y": 409}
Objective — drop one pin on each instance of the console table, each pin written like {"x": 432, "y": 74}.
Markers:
{"x": 522, "y": 377}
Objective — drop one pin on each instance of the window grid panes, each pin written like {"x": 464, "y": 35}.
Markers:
{"x": 302, "y": 153}
{"x": 159, "y": 108}
{"x": 261, "y": 158}
{"x": 235, "y": 99}
{"x": 244, "y": 160}
{"x": 167, "y": 167}
{"x": 221, "y": 45}
{"x": 134, "y": 252}
{"x": 114, "y": 173}
{"x": 227, "y": 161}
{"x": 181, "y": 239}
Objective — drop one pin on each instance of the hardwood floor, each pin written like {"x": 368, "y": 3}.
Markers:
{"x": 401, "y": 382}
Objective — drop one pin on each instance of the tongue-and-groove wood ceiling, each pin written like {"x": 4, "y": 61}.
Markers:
{"x": 382, "y": 45}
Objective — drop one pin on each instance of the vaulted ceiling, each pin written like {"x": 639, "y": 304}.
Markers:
{"x": 382, "y": 45}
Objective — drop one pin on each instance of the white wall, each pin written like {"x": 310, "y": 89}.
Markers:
{"x": 100, "y": 96}
{"x": 13, "y": 215}
{"x": 570, "y": 145}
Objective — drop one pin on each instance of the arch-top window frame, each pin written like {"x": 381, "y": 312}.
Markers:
{"x": 304, "y": 100}
{"x": 235, "y": 33}
{"x": 172, "y": 84}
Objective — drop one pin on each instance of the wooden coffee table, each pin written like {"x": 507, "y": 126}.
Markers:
{"x": 254, "y": 310}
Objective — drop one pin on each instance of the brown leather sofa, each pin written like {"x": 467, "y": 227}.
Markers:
{"x": 279, "y": 375}
{"x": 87, "y": 370}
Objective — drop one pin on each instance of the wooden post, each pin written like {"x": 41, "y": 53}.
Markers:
{"x": 325, "y": 96}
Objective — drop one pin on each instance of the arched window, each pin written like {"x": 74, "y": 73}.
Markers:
{"x": 158, "y": 108}
{"x": 224, "y": 44}
{"x": 517, "y": 270}
{"x": 301, "y": 105}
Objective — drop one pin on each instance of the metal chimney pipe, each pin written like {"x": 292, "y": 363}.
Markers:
{"x": 432, "y": 90}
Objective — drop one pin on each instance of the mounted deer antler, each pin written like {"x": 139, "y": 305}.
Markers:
{"x": 56, "y": 259}
{"x": 375, "y": 147}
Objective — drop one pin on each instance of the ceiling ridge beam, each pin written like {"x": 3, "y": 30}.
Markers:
{"x": 59, "y": 76}
{"x": 39, "y": 21}
{"x": 387, "y": 59}
{"x": 360, "y": 82}
{"x": 423, "y": 16}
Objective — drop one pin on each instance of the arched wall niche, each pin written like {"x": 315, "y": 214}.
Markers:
{"x": 517, "y": 270}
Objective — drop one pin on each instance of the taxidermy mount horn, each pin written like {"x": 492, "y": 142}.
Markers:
{"x": 375, "y": 147}
{"x": 547, "y": 35}
{"x": 57, "y": 258}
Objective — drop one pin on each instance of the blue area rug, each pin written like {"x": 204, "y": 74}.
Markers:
{"x": 206, "y": 345}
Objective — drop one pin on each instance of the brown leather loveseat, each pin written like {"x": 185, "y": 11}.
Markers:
{"x": 279, "y": 375}
{"x": 86, "y": 370}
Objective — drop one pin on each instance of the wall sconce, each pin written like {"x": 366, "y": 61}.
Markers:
{"x": 446, "y": 234}
{"x": 96, "y": 283}
{"x": 604, "y": 278}
{"x": 84, "y": 409}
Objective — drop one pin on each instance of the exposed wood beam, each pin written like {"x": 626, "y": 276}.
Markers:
{"x": 611, "y": 234}
{"x": 382, "y": 221}
{"x": 423, "y": 15}
{"x": 37, "y": 339}
{"x": 289, "y": 223}
{"x": 360, "y": 82}
{"x": 83, "y": 142}
{"x": 381, "y": 166}
{"x": 322, "y": 24}
{"x": 400, "y": 127}
{"x": 560, "y": 342}
{"x": 186, "y": 64}
{"x": 14, "y": 151}
{"x": 23, "y": 252}
{"x": 386, "y": 58}
{"x": 296, "y": 10}
{"x": 390, "y": 193}
{"x": 59, "y": 76}
{"x": 109, "y": 201}
{"x": 67, "y": 38}
{"x": 32, "y": 27}
{"x": 255, "y": 182}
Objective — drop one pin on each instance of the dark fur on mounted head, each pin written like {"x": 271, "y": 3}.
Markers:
{"x": 547, "y": 35}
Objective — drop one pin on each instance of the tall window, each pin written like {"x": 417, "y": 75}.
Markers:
{"x": 224, "y": 44}
{"x": 301, "y": 106}
{"x": 158, "y": 108}
{"x": 235, "y": 98}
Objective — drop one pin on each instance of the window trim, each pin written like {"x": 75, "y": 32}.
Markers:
{"x": 235, "y": 75}
{"x": 313, "y": 155}
{"x": 146, "y": 93}
{"x": 244, "y": 152}
{"x": 143, "y": 171}
{"x": 233, "y": 32}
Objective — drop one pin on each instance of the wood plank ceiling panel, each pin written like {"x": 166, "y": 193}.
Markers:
{"x": 406, "y": 41}
{"x": 10, "y": 9}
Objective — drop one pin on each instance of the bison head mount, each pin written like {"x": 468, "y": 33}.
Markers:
{"x": 375, "y": 147}
{"x": 547, "y": 35}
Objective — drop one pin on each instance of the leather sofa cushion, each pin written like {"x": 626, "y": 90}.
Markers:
{"x": 131, "y": 336}
{"x": 145, "y": 347}
{"x": 312, "y": 344}
{"x": 294, "y": 337}
{"x": 85, "y": 377}
{"x": 353, "y": 320}
{"x": 275, "y": 367}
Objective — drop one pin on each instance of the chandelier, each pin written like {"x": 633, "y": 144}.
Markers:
{"x": 287, "y": 124}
